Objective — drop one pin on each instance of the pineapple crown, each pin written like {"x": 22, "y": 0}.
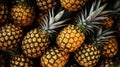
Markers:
{"x": 102, "y": 36}
{"x": 50, "y": 23}
{"x": 89, "y": 20}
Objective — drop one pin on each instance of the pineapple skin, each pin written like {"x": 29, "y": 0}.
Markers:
{"x": 73, "y": 5}
{"x": 22, "y": 14}
{"x": 70, "y": 38}
{"x": 110, "y": 49}
{"x": 54, "y": 58}
{"x": 87, "y": 55}
{"x": 107, "y": 63}
{"x": 42, "y": 15}
{"x": 34, "y": 43}
{"x": 10, "y": 36}
{"x": 108, "y": 23}
{"x": 20, "y": 60}
{"x": 3, "y": 13}
{"x": 45, "y": 5}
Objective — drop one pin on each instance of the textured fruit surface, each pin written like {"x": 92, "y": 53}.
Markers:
{"x": 34, "y": 43}
{"x": 20, "y": 61}
{"x": 59, "y": 33}
{"x": 110, "y": 49}
{"x": 87, "y": 55}
{"x": 54, "y": 58}
{"x": 70, "y": 38}
{"x": 107, "y": 63}
{"x": 3, "y": 13}
{"x": 41, "y": 16}
{"x": 10, "y": 36}
{"x": 45, "y": 5}
{"x": 108, "y": 22}
{"x": 73, "y": 5}
{"x": 22, "y": 14}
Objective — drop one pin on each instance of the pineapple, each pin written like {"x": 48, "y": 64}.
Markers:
{"x": 70, "y": 38}
{"x": 107, "y": 63}
{"x": 10, "y": 36}
{"x": 73, "y": 35}
{"x": 54, "y": 57}
{"x": 41, "y": 16}
{"x": 22, "y": 13}
{"x": 20, "y": 60}
{"x": 110, "y": 49}
{"x": 45, "y": 5}
{"x": 37, "y": 40}
{"x": 107, "y": 23}
{"x": 89, "y": 54}
{"x": 3, "y": 12}
{"x": 73, "y": 5}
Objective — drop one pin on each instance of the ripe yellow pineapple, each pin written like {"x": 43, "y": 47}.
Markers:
{"x": 107, "y": 63}
{"x": 19, "y": 60}
{"x": 22, "y": 13}
{"x": 37, "y": 40}
{"x": 73, "y": 35}
{"x": 110, "y": 49}
{"x": 34, "y": 43}
{"x": 73, "y": 5}
{"x": 45, "y": 5}
{"x": 10, "y": 36}
{"x": 70, "y": 38}
{"x": 3, "y": 12}
{"x": 89, "y": 54}
{"x": 54, "y": 57}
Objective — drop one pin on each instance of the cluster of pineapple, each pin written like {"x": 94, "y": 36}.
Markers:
{"x": 88, "y": 33}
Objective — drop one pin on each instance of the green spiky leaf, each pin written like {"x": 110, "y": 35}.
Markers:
{"x": 102, "y": 36}
{"x": 50, "y": 23}
{"x": 87, "y": 20}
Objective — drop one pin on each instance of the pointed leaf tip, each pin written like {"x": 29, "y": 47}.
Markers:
{"x": 59, "y": 15}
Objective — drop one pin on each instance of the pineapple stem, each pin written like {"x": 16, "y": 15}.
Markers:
{"x": 82, "y": 27}
{"x": 97, "y": 44}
